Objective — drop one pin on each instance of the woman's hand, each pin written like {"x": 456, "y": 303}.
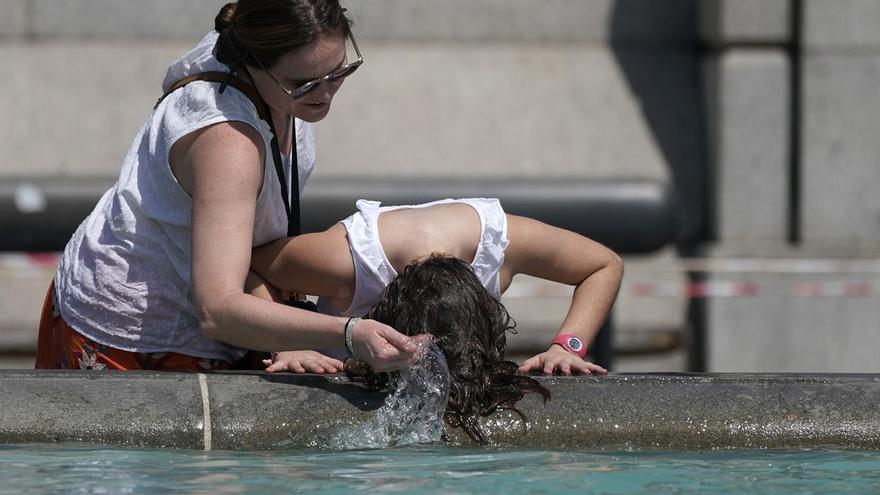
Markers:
{"x": 383, "y": 347}
{"x": 302, "y": 362}
{"x": 557, "y": 360}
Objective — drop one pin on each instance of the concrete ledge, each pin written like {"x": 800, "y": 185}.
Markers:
{"x": 13, "y": 22}
{"x": 254, "y": 411}
{"x": 730, "y": 22}
{"x": 520, "y": 111}
{"x": 642, "y": 21}
{"x": 841, "y": 27}
{"x": 157, "y": 19}
{"x": 457, "y": 21}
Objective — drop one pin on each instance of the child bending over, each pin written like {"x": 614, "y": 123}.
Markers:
{"x": 350, "y": 264}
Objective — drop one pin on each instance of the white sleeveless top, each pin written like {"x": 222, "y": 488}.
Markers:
{"x": 124, "y": 279}
{"x": 373, "y": 271}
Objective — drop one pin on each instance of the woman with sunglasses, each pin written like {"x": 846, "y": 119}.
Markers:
{"x": 154, "y": 277}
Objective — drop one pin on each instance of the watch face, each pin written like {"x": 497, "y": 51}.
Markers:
{"x": 574, "y": 343}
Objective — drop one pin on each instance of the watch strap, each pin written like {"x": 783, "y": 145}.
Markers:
{"x": 571, "y": 343}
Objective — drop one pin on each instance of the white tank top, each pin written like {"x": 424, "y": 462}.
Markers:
{"x": 373, "y": 271}
{"x": 124, "y": 278}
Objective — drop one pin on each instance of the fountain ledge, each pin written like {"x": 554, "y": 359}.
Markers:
{"x": 258, "y": 411}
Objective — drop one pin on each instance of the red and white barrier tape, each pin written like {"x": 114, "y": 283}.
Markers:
{"x": 777, "y": 265}
{"x": 38, "y": 265}
{"x": 27, "y": 265}
{"x": 776, "y": 288}
{"x": 714, "y": 289}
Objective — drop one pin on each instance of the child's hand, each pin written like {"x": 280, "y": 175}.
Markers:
{"x": 557, "y": 360}
{"x": 303, "y": 362}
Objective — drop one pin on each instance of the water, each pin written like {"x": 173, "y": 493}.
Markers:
{"x": 412, "y": 412}
{"x": 434, "y": 469}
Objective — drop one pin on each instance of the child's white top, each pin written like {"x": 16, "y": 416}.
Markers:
{"x": 373, "y": 271}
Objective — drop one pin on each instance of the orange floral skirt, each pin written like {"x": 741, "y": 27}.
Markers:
{"x": 61, "y": 347}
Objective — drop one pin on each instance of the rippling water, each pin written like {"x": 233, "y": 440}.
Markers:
{"x": 435, "y": 469}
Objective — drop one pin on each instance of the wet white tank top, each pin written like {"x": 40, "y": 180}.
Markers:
{"x": 373, "y": 271}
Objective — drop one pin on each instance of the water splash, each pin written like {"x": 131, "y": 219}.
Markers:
{"x": 412, "y": 413}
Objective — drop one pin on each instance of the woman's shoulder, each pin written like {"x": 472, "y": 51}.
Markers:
{"x": 203, "y": 99}
{"x": 200, "y": 58}
{"x": 199, "y": 104}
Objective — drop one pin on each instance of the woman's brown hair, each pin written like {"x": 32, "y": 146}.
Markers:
{"x": 442, "y": 296}
{"x": 259, "y": 32}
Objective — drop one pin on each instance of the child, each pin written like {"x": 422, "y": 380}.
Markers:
{"x": 349, "y": 265}
{"x": 443, "y": 295}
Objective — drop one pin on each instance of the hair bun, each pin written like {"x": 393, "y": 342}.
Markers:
{"x": 225, "y": 17}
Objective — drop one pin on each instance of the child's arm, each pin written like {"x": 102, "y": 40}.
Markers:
{"x": 303, "y": 362}
{"x": 317, "y": 264}
{"x": 547, "y": 252}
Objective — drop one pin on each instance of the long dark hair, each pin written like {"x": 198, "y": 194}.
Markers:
{"x": 259, "y": 32}
{"x": 442, "y": 296}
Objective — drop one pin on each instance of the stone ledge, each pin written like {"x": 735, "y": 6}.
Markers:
{"x": 832, "y": 26}
{"x": 732, "y": 22}
{"x": 530, "y": 111}
{"x": 13, "y": 22}
{"x": 255, "y": 411}
{"x": 455, "y": 21}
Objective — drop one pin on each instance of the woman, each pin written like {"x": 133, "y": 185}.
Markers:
{"x": 350, "y": 264}
{"x": 154, "y": 277}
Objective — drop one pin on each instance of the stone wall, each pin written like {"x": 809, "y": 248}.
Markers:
{"x": 841, "y": 118}
{"x": 793, "y": 94}
{"x": 793, "y": 98}
{"x": 461, "y": 89}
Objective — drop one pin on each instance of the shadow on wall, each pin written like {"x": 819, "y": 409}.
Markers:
{"x": 656, "y": 45}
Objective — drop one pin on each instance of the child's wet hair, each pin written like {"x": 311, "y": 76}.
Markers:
{"x": 442, "y": 296}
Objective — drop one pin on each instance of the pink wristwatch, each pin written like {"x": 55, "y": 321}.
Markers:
{"x": 571, "y": 343}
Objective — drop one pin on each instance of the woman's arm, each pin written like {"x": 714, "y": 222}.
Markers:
{"x": 551, "y": 253}
{"x": 222, "y": 167}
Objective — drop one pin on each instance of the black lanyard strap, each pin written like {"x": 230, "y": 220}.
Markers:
{"x": 291, "y": 202}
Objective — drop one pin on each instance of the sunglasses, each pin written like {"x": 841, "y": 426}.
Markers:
{"x": 336, "y": 75}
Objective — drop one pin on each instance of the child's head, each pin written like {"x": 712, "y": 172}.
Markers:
{"x": 442, "y": 296}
